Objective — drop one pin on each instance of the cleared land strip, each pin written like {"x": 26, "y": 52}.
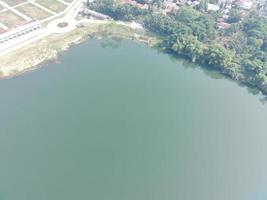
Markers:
{"x": 4, "y": 10}
{"x": 15, "y": 11}
{"x": 42, "y": 7}
{"x": 72, "y": 8}
{"x": 21, "y": 4}
{"x": 33, "y": 11}
{"x": 12, "y": 20}
{"x": 3, "y": 26}
{"x": 68, "y": 1}
{"x": 63, "y": 2}
{"x": 13, "y": 2}
{"x": 53, "y": 5}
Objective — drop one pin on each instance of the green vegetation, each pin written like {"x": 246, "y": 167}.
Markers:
{"x": 239, "y": 52}
{"x": 125, "y": 12}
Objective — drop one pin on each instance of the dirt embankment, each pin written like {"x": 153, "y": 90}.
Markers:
{"x": 33, "y": 55}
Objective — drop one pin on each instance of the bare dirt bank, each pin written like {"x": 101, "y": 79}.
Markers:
{"x": 32, "y": 56}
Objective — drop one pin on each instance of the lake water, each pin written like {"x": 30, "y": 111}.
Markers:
{"x": 121, "y": 121}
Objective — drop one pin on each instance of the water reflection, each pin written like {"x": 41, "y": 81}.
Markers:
{"x": 116, "y": 42}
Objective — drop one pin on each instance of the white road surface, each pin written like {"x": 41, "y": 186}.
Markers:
{"x": 69, "y": 17}
{"x": 15, "y": 11}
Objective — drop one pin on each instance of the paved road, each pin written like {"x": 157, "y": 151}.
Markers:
{"x": 15, "y": 11}
{"x": 69, "y": 16}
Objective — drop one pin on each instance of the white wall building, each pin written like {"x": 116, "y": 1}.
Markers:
{"x": 213, "y": 7}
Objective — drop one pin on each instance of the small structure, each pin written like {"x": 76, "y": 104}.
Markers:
{"x": 94, "y": 14}
{"x": 213, "y": 7}
{"x": 223, "y": 25}
{"x": 87, "y": 2}
{"x": 139, "y": 5}
{"x": 169, "y": 6}
{"x": 62, "y": 24}
{"x": 195, "y": 3}
{"x": 225, "y": 16}
{"x": 245, "y": 4}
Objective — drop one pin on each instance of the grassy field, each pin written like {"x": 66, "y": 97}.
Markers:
{"x": 31, "y": 56}
{"x": 11, "y": 20}
{"x": 33, "y": 11}
{"x": 13, "y": 2}
{"x": 53, "y": 5}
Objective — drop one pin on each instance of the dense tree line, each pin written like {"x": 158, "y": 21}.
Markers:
{"x": 125, "y": 12}
{"x": 239, "y": 52}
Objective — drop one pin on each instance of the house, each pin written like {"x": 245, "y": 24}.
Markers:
{"x": 139, "y": 5}
{"x": 195, "y": 3}
{"x": 87, "y": 2}
{"x": 213, "y": 7}
{"x": 225, "y": 16}
{"x": 97, "y": 15}
{"x": 245, "y": 4}
{"x": 223, "y": 25}
{"x": 169, "y": 6}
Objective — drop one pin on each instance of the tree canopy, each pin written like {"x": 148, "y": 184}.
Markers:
{"x": 239, "y": 52}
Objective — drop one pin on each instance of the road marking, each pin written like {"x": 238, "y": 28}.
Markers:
{"x": 68, "y": 12}
{"x": 3, "y": 26}
{"x": 4, "y": 10}
{"x": 21, "y": 4}
{"x": 18, "y": 5}
{"x": 42, "y": 7}
{"x": 16, "y": 12}
{"x": 64, "y": 2}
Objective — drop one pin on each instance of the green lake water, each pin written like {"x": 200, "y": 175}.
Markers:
{"x": 121, "y": 121}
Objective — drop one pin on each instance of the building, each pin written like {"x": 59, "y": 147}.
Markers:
{"x": 245, "y": 4}
{"x": 223, "y": 25}
{"x": 213, "y": 7}
{"x": 96, "y": 15}
{"x": 169, "y": 5}
{"x": 87, "y": 2}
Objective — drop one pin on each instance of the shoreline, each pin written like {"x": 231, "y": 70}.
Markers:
{"x": 35, "y": 55}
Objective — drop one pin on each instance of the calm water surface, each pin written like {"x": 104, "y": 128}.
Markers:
{"x": 124, "y": 122}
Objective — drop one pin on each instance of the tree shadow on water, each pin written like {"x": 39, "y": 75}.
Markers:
{"x": 113, "y": 42}
{"x": 213, "y": 73}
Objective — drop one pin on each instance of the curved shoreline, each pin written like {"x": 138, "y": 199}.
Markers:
{"x": 34, "y": 55}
